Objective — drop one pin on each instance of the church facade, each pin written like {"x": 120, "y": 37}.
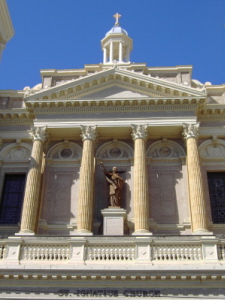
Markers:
{"x": 112, "y": 182}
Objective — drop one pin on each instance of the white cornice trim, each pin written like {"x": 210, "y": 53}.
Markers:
{"x": 6, "y": 27}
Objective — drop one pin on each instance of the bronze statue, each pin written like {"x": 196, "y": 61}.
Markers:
{"x": 115, "y": 185}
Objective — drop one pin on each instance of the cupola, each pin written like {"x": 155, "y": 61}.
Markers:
{"x": 116, "y": 45}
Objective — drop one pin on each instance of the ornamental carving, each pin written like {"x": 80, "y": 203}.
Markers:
{"x": 165, "y": 152}
{"x": 213, "y": 150}
{"x": 190, "y": 131}
{"x": 39, "y": 133}
{"x": 88, "y": 133}
{"x": 139, "y": 131}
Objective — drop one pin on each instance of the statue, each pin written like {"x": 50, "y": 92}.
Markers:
{"x": 115, "y": 185}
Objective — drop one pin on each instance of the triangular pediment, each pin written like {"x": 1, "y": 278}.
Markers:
{"x": 114, "y": 92}
{"x": 115, "y": 83}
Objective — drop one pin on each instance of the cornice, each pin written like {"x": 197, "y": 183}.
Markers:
{"x": 6, "y": 28}
{"x": 116, "y": 104}
{"x": 160, "y": 86}
{"x": 11, "y": 93}
{"x": 20, "y": 113}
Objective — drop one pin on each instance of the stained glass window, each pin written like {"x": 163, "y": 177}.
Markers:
{"x": 12, "y": 198}
{"x": 216, "y": 182}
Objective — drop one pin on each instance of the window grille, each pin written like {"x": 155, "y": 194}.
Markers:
{"x": 216, "y": 182}
{"x": 12, "y": 198}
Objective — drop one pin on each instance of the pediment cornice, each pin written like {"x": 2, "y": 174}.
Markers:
{"x": 150, "y": 86}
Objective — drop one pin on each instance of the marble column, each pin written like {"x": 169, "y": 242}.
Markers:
{"x": 120, "y": 52}
{"x": 141, "y": 199}
{"x": 33, "y": 182}
{"x": 195, "y": 182}
{"x": 104, "y": 55}
{"x": 111, "y": 54}
{"x": 86, "y": 191}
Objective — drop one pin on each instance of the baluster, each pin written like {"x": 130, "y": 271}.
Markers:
{"x": 68, "y": 252}
{"x": 94, "y": 253}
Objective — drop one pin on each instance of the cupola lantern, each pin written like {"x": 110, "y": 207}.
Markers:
{"x": 116, "y": 45}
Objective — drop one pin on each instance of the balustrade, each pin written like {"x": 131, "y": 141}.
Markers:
{"x": 127, "y": 251}
{"x": 176, "y": 252}
{"x": 110, "y": 252}
{"x": 45, "y": 252}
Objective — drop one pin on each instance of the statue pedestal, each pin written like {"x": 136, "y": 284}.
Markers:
{"x": 113, "y": 220}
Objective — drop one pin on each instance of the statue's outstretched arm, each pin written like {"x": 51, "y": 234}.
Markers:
{"x": 104, "y": 169}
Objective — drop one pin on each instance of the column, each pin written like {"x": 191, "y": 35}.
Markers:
{"x": 32, "y": 190}
{"x": 141, "y": 200}
{"x": 111, "y": 52}
{"x": 120, "y": 51}
{"x": 86, "y": 191}
{"x": 127, "y": 54}
{"x": 195, "y": 183}
{"x": 104, "y": 56}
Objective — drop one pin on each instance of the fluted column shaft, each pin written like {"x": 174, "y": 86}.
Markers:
{"x": 32, "y": 189}
{"x": 141, "y": 201}
{"x": 86, "y": 195}
{"x": 195, "y": 182}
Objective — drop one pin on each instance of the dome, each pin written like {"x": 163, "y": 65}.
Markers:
{"x": 117, "y": 30}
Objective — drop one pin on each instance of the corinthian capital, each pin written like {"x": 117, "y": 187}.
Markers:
{"x": 139, "y": 131}
{"x": 39, "y": 133}
{"x": 88, "y": 133}
{"x": 190, "y": 131}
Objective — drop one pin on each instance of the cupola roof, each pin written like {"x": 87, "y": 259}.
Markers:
{"x": 117, "y": 29}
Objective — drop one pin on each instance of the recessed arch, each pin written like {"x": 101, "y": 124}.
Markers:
{"x": 16, "y": 152}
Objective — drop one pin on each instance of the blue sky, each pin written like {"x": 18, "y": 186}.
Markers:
{"x": 66, "y": 34}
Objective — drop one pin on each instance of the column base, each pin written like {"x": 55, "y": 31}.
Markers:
{"x": 202, "y": 232}
{"x": 84, "y": 232}
{"x": 142, "y": 232}
{"x": 25, "y": 232}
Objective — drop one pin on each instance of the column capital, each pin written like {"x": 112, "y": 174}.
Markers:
{"x": 89, "y": 133}
{"x": 139, "y": 131}
{"x": 190, "y": 131}
{"x": 39, "y": 133}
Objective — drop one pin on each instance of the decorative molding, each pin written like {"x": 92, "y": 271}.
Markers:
{"x": 139, "y": 131}
{"x": 162, "y": 103}
{"x": 89, "y": 133}
{"x": 16, "y": 152}
{"x": 212, "y": 152}
{"x": 190, "y": 131}
{"x": 39, "y": 133}
{"x": 123, "y": 149}
{"x": 72, "y": 155}
{"x": 166, "y": 152}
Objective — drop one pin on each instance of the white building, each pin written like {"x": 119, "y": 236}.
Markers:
{"x": 164, "y": 131}
{"x": 6, "y": 27}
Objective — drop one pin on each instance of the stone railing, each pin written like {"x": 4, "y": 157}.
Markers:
{"x": 176, "y": 252}
{"x": 110, "y": 252}
{"x": 45, "y": 252}
{"x": 117, "y": 250}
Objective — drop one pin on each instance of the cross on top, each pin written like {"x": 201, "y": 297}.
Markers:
{"x": 117, "y": 16}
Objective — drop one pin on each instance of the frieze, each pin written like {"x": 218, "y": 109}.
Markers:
{"x": 126, "y": 106}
